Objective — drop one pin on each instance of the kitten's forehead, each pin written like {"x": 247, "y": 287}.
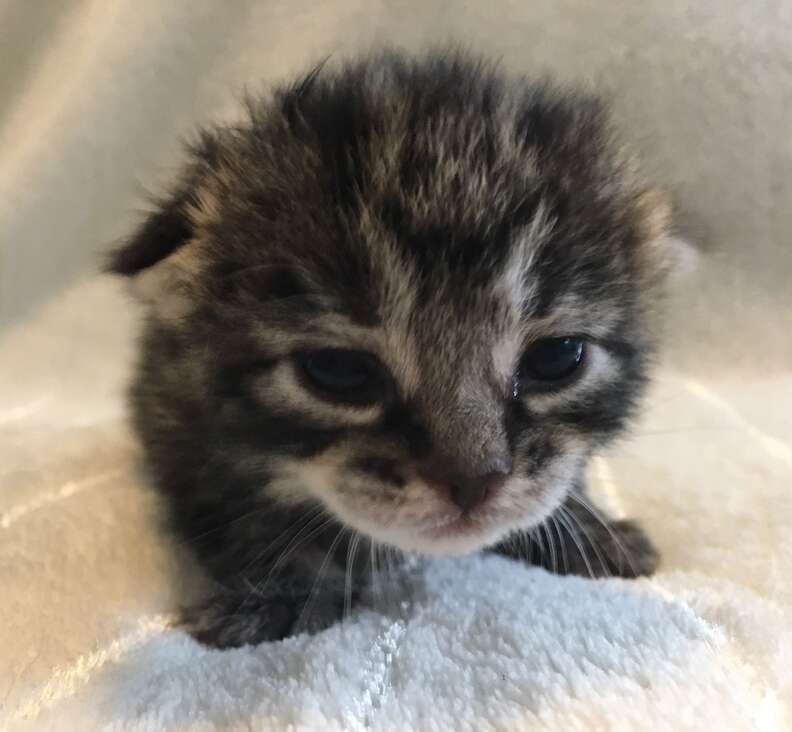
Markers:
{"x": 478, "y": 214}
{"x": 451, "y": 189}
{"x": 436, "y": 329}
{"x": 455, "y": 214}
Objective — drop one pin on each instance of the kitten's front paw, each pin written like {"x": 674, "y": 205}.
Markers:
{"x": 233, "y": 619}
{"x": 628, "y": 551}
{"x": 588, "y": 545}
{"x": 230, "y": 620}
{"x": 606, "y": 549}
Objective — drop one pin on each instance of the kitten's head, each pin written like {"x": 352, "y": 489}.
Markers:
{"x": 413, "y": 291}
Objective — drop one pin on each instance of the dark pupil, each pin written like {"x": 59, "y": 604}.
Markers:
{"x": 338, "y": 370}
{"x": 551, "y": 359}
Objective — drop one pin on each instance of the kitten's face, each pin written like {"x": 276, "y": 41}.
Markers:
{"x": 412, "y": 294}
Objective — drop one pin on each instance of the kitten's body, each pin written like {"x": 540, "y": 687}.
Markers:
{"x": 443, "y": 221}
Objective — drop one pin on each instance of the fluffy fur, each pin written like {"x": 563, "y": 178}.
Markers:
{"x": 442, "y": 217}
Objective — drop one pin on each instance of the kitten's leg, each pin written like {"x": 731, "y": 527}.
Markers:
{"x": 580, "y": 539}
{"x": 248, "y": 616}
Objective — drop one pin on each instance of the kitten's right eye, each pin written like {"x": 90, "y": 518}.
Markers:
{"x": 352, "y": 376}
{"x": 549, "y": 361}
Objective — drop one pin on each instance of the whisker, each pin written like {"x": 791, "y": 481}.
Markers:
{"x": 517, "y": 543}
{"x": 242, "y": 517}
{"x": 614, "y": 537}
{"x": 593, "y": 544}
{"x": 391, "y": 582}
{"x": 386, "y": 564}
{"x": 351, "y": 551}
{"x": 293, "y": 546}
{"x": 536, "y": 540}
{"x": 564, "y": 519}
{"x": 683, "y": 431}
{"x": 307, "y": 517}
{"x": 551, "y": 547}
{"x": 309, "y": 603}
{"x": 382, "y": 559}
{"x": 562, "y": 543}
{"x": 375, "y": 579}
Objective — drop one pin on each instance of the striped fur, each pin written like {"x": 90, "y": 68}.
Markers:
{"x": 436, "y": 214}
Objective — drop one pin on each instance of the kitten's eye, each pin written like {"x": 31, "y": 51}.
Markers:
{"x": 551, "y": 359}
{"x": 349, "y": 375}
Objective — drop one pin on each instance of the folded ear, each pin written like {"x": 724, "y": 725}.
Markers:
{"x": 172, "y": 224}
{"x": 163, "y": 232}
{"x": 161, "y": 258}
{"x": 668, "y": 252}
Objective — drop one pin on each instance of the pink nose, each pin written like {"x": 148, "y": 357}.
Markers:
{"x": 470, "y": 488}
{"x": 471, "y": 493}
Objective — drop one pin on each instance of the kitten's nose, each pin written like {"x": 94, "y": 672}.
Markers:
{"x": 466, "y": 488}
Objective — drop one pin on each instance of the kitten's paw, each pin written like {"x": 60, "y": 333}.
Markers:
{"x": 630, "y": 552}
{"x": 588, "y": 546}
{"x": 612, "y": 549}
{"x": 232, "y": 620}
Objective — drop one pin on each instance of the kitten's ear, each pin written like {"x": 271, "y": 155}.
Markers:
{"x": 163, "y": 257}
{"x": 160, "y": 258}
{"x": 161, "y": 234}
{"x": 669, "y": 252}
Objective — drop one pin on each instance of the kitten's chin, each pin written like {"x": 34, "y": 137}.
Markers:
{"x": 456, "y": 537}
{"x": 440, "y": 530}
{"x": 447, "y": 541}
{"x": 451, "y": 541}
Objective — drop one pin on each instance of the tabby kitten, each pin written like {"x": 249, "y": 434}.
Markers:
{"x": 401, "y": 305}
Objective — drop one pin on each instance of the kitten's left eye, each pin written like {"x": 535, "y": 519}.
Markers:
{"x": 551, "y": 360}
{"x": 343, "y": 374}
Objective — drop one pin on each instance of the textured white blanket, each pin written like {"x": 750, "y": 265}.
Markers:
{"x": 88, "y": 583}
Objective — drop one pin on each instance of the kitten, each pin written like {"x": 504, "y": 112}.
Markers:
{"x": 401, "y": 305}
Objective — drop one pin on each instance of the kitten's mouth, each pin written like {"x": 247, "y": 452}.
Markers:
{"x": 463, "y": 525}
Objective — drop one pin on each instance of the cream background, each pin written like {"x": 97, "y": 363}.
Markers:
{"x": 94, "y": 97}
